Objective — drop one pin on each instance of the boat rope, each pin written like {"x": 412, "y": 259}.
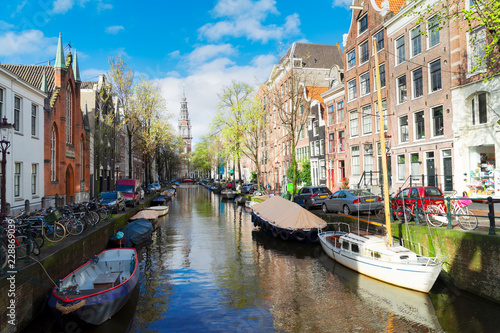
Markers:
{"x": 43, "y": 269}
{"x": 20, "y": 278}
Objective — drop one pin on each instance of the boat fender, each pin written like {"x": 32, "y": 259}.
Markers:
{"x": 312, "y": 236}
{"x": 132, "y": 265}
{"x": 95, "y": 259}
{"x": 300, "y": 235}
{"x": 65, "y": 309}
{"x": 275, "y": 231}
{"x": 284, "y": 234}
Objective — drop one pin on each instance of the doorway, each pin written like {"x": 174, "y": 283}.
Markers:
{"x": 70, "y": 188}
{"x": 431, "y": 169}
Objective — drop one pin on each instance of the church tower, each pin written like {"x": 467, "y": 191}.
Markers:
{"x": 185, "y": 133}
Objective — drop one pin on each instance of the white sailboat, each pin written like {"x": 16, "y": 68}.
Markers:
{"x": 379, "y": 256}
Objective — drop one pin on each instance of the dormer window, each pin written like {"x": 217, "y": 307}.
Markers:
{"x": 363, "y": 24}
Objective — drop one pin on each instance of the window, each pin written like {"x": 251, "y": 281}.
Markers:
{"x": 34, "y": 173}
{"x": 17, "y": 113}
{"x": 401, "y": 83}
{"x": 340, "y": 112}
{"x": 416, "y": 43}
{"x": 435, "y": 75}
{"x": 400, "y": 50}
{"x": 418, "y": 86}
{"x": 401, "y": 168}
{"x": 53, "y": 161}
{"x": 355, "y": 160}
{"x": 33, "y": 119}
{"x": 331, "y": 143}
{"x": 384, "y": 112}
{"x": 403, "y": 129}
{"x": 433, "y": 26}
{"x": 353, "y": 123}
{"x": 437, "y": 121}
{"x": 363, "y": 24}
{"x": 69, "y": 115}
{"x": 415, "y": 168}
{"x": 364, "y": 54}
{"x": 419, "y": 125}
{"x": 315, "y": 128}
{"x": 379, "y": 36}
{"x": 476, "y": 50}
{"x": 351, "y": 59}
{"x": 351, "y": 88}
{"x": 1, "y": 103}
{"x": 367, "y": 119}
{"x": 322, "y": 147}
{"x": 381, "y": 69}
{"x": 341, "y": 141}
{"x": 82, "y": 165}
{"x": 368, "y": 158}
{"x": 364, "y": 83}
{"x": 17, "y": 179}
{"x": 478, "y": 109}
{"x": 317, "y": 148}
{"x": 331, "y": 118}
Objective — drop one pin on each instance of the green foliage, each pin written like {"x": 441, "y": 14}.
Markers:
{"x": 253, "y": 177}
{"x": 305, "y": 173}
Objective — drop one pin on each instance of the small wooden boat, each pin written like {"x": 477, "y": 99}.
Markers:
{"x": 148, "y": 214}
{"x": 161, "y": 210}
{"x": 97, "y": 290}
{"x": 228, "y": 194}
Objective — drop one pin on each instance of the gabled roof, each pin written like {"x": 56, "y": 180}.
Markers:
{"x": 33, "y": 74}
{"x": 316, "y": 55}
{"x": 88, "y": 84}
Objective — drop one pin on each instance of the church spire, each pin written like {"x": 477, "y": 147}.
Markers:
{"x": 44, "y": 82}
{"x": 76, "y": 69}
{"x": 59, "y": 55}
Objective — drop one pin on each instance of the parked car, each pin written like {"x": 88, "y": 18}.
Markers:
{"x": 249, "y": 188}
{"x": 352, "y": 201}
{"x": 311, "y": 196}
{"x": 157, "y": 185}
{"x": 130, "y": 189}
{"x": 417, "y": 196}
{"x": 114, "y": 201}
{"x": 151, "y": 188}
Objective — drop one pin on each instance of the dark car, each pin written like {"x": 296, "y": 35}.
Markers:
{"x": 249, "y": 188}
{"x": 352, "y": 201}
{"x": 312, "y": 196}
{"x": 114, "y": 201}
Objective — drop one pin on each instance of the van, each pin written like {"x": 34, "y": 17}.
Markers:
{"x": 130, "y": 189}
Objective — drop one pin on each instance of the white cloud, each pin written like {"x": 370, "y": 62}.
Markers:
{"x": 175, "y": 54}
{"x": 6, "y": 26}
{"x": 113, "y": 30}
{"x": 103, "y": 6}
{"x": 62, "y": 6}
{"x": 342, "y": 3}
{"x": 91, "y": 74}
{"x": 204, "y": 53}
{"x": 28, "y": 42}
{"x": 19, "y": 8}
{"x": 204, "y": 83}
{"x": 244, "y": 18}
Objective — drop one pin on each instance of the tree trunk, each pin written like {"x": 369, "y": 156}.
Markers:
{"x": 130, "y": 157}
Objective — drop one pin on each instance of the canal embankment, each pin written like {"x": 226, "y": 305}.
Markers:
{"x": 30, "y": 288}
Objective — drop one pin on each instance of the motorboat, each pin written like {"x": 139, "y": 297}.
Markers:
{"x": 228, "y": 194}
{"x": 160, "y": 210}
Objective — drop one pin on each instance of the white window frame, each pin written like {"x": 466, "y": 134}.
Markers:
{"x": 400, "y": 129}
{"x": 429, "y": 32}
{"x": 384, "y": 112}
{"x": 34, "y": 179}
{"x": 415, "y": 126}
{"x": 400, "y": 61}
{"x": 18, "y": 179}
{"x": 18, "y": 125}
{"x": 383, "y": 39}
{"x": 401, "y": 172}
{"x": 349, "y": 66}
{"x": 430, "y": 75}
{"x": 474, "y": 108}
{"x": 34, "y": 120}
{"x": 433, "y": 128}
{"x": 412, "y": 49}
{"x": 399, "y": 95}
{"x": 353, "y": 120}
{"x": 382, "y": 84}
{"x": 364, "y": 84}
{"x": 368, "y": 157}
{"x": 361, "y": 53}
{"x": 355, "y": 167}
{"x": 414, "y": 86}
{"x": 359, "y": 24}
{"x": 349, "y": 96}
{"x": 366, "y": 123}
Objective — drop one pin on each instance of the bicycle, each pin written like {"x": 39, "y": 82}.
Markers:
{"x": 437, "y": 216}
{"x": 49, "y": 227}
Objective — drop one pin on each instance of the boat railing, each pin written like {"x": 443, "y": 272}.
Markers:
{"x": 336, "y": 226}
{"x": 423, "y": 252}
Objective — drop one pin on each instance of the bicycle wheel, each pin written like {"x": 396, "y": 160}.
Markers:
{"x": 466, "y": 219}
{"x": 35, "y": 249}
{"x": 93, "y": 218}
{"x": 73, "y": 226}
{"x": 435, "y": 216}
{"x": 404, "y": 214}
{"x": 23, "y": 247}
{"x": 54, "y": 233}
{"x": 38, "y": 238}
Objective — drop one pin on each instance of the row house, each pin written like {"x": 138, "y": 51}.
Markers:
{"x": 293, "y": 89}
{"x": 22, "y": 105}
{"x": 65, "y": 134}
{"x": 475, "y": 102}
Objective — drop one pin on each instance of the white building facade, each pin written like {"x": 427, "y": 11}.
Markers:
{"x": 23, "y": 105}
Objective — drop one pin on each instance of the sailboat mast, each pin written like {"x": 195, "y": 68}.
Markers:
{"x": 385, "y": 176}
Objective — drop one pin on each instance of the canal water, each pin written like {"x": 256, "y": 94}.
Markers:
{"x": 208, "y": 269}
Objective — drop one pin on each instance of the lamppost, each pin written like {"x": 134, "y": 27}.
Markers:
{"x": 6, "y": 130}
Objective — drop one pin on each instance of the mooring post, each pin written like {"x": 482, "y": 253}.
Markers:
{"x": 491, "y": 215}
{"x": 448, "y": 213}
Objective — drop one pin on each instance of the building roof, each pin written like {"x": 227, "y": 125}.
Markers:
{"x": 316, "y": 55}
{"x": 33, "y": 74}
{"x": 394, "y": 5}
{"x": 88, "y": 84}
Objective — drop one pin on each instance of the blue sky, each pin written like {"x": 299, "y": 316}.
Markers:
{"x": 201, "y": 45}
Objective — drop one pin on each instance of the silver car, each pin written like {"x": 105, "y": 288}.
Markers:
{"x": 352, "y": 201}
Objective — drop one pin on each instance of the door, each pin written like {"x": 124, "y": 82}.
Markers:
{"x": 70, "y": 187}
{"x": 431, "y": 170}
{"x": 447, "y": 169}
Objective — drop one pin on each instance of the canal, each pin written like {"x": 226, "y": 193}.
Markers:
{"x": 208, "y": 269}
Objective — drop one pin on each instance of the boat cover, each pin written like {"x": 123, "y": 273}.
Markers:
{"x": 137, "y": 232}
{"x": 145, "y": 214}
{"x": 288, "y": 215}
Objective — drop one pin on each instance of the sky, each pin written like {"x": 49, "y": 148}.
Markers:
{"x": 200, "y": 46}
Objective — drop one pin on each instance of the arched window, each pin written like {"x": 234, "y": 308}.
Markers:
{"x": 69, "y": 115}
{"x": 53, "y": 156}
{"x": 82, "y": 165}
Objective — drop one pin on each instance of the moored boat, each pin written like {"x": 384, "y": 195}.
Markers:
{"x": 161, "y": 210}
{"x": 97, "y": 290}
{"x": 287, "y": 220}
{"x": 134, "y": 233}
{"x": 228, "y": 194}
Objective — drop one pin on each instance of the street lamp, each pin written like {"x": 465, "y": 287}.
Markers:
{"x": 6, "y": 130}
